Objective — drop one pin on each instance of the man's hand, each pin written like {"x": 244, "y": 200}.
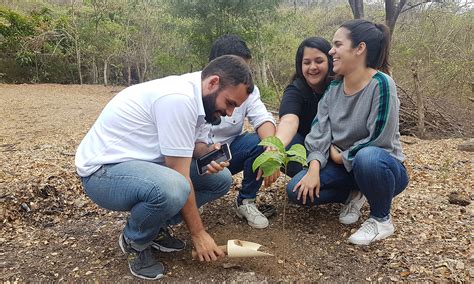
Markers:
{"x": 335, "y": 155}
{"x": 269, "y": 179}
{"x": 206, "y": 248}
{"x": 214, "y": 167}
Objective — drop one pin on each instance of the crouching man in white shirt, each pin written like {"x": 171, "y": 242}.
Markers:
{"x": 137, "y": 157}
{"x": 244, "y": 146}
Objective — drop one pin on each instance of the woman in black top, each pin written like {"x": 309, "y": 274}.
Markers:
{"x": 299, "y": 104}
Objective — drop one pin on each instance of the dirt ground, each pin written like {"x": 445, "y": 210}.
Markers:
{"x": 51, "y": 231}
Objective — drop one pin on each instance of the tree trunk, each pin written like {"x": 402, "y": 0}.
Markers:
{"x": 392, "y": 11}
{"x": 262, "y": 67}
{"x": 139, "y": 72}
{"x": 263, "y": 70}
{"x": 419, "y": 101}
{"x": 37, "y": 79}
{"x": 106, "y": 63}
{"x": 357, "y": 7}
{"x": 145, "y": 67}
{"x": 78, "y": 58}
{"x": 95, "y": 71}
{"x": 76, "y": 42}
{"x": 129, "y": 74}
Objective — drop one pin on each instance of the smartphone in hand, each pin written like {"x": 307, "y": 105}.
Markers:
{"x": 218, "y": 155}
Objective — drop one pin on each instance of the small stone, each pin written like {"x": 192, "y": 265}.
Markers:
{"x": 25, "y": 207}
{"x": 394, "y": 279}
{"x": 467, "y": 146}
{"x": 228, "y": 265}
{"x": 459, "y": 199}
{"x": 459, "y": 265}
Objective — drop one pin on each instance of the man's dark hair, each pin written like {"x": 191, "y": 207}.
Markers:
{"x": 229, "y": 45}
{"x": 232, "y": 71}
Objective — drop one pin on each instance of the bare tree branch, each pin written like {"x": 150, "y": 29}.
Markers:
{"x": 411, "y": 6}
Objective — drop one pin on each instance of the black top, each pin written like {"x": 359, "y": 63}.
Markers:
{"x": 299, "y": 99}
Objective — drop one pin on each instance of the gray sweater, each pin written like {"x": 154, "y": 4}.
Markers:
{"x": 367, "y": 118}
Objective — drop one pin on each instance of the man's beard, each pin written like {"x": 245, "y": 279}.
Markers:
{"x": 209, "y": 103}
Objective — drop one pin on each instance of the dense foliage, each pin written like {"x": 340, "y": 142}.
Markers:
{"x": 129, "y": 41}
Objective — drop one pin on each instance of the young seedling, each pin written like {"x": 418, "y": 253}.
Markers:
{"x": 272, "y": 160}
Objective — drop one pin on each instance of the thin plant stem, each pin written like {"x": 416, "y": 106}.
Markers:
{"x": 285, "y": 199}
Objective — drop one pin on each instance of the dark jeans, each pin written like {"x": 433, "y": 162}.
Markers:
{"x": 244, "y": 150}
{"x": 375, "y": 173}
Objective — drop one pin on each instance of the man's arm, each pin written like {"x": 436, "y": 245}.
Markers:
{"x": 265, "y": 130}
{"x": 204, "y": 244}
{"x": 258, "y": 115}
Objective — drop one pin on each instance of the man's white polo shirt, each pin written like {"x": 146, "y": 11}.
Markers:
{"x": 145, "y": 122}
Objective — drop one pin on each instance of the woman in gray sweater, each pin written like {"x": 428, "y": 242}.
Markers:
{"x": 354, "y": 144}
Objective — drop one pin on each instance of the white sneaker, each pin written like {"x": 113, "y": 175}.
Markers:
{"x": 350, "y": 212}
{"x": 372, "y": 230}
{"x": 249, "y": 211}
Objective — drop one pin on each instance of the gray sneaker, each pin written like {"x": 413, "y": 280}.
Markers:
{"x": 142, "y": 264}
{"x": 167, "y": 242}
{"x": 249, "y": 211}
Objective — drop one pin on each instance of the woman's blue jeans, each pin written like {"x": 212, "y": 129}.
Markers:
{"x": 375, "y": 173}
{"x": 153, "y": 193}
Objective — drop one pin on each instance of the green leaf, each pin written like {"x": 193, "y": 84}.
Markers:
{"x": 270, "y": 167}
{"x": 273, "y": 141}
{"x": 265, "y": 157}
{"x": 297, "y": 150}
{"x": 298, "y": 159}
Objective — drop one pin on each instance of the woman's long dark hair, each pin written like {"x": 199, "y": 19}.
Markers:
{"x": 376, "y": 38}
{"x": 313, "y": 42}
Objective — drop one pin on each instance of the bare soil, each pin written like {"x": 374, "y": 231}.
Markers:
{"x": 51, "y": 231}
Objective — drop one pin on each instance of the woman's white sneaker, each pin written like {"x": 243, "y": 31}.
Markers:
{"x": 350, "y": 212}
{"x": 372, "y": 230}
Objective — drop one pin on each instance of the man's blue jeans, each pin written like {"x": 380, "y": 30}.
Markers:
{"x": 153, "y": 193}
{"x": 244, "y": 150}
{"x": 375, "y": 173}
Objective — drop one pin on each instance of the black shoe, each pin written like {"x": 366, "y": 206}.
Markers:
{"x": 267, "y": 209}
{"x": 166, "y": 242}
{"x": 142, "y": 264}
